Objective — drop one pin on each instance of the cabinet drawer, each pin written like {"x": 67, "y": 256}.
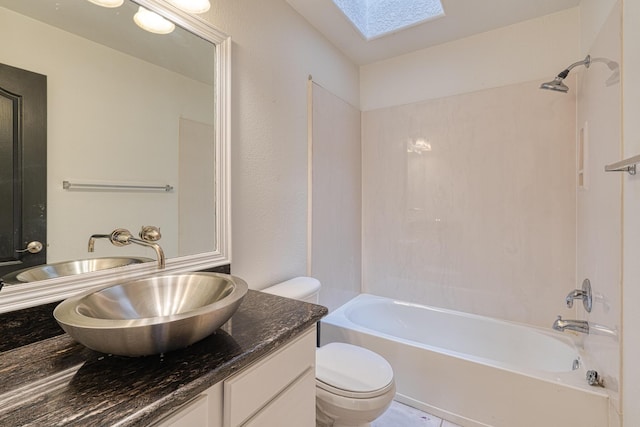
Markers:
{"x": 249, "y": 391}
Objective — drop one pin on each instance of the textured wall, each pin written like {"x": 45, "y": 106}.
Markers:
{"x": 274, "y": 51}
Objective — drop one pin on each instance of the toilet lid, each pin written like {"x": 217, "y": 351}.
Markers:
{"x": 352, "y": 368}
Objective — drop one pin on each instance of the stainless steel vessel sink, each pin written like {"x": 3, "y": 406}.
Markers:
{"x": 153, "y": 315}
{"x": 68, "y": 268}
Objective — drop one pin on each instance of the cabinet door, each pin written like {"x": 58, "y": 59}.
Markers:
{"x": 295, "y": 406}
{"x": 203, "y": 411}
{"x": 250, "y": 391}
{"x": 193, "y": 414}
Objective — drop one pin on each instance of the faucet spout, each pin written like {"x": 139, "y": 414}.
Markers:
{"x": 156, "y": 247}
{"x": 561, "y": 324}
{"x": 92, "y": 240}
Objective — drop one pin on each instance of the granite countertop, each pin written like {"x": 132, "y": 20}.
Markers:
{"x": 58, "y": 382}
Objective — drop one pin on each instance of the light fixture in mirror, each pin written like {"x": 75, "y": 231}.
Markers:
{"x": 192, "y": 6}
{"x": 108, "y": 122}
{"x": 152, "y": 22}
{"x": 108, "y": 3}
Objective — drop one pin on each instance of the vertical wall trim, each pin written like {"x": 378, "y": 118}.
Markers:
{"x": 309, "y": 172}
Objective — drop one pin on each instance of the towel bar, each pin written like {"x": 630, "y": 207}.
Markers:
{"x": 626, "y": 165}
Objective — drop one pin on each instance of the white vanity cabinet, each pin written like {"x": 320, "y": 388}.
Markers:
{"x": 277, "y": 390}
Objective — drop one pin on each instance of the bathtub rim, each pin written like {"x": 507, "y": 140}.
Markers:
{"x": 574, "y": 379}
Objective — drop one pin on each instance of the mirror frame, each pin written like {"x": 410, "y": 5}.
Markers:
{"x": 16, "y": 297}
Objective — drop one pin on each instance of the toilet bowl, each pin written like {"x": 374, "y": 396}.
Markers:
{"x": 354, "y": 385}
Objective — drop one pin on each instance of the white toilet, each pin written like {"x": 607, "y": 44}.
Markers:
{"x": 354, "y": 386}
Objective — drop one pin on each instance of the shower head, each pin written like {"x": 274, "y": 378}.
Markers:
{"x": 557, "y": 84}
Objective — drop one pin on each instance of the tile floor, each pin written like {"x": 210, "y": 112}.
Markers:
{"x": 399, "y": 415}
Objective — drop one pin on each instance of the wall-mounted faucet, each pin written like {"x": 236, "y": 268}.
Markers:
{"x": 123, "y": 237}
{"x": 572, "y": 325}
{"x": 584, "y": 294}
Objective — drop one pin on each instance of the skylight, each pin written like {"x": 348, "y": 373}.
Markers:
{"x": 375, "y": 18}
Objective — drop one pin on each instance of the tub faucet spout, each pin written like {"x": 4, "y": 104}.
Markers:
{"x": 572, "y": 325}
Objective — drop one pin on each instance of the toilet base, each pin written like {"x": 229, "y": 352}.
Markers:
{"x": 341, "y": 425}
{"x": 324, "y": 421}
{"x": 333, "y": 410}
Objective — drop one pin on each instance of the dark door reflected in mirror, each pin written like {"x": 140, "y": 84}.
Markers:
{"x": 124, "y": 107}
{"x": 23, "y": 168}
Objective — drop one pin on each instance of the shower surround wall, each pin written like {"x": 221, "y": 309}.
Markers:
{"x": 469, "y": 202}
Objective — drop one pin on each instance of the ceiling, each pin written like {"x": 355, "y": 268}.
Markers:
{"x": 462, "y": 18}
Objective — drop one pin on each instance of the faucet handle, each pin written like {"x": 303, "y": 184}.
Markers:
{"x": 584, "y": 294}
{"x": 120, "y": 237}
{"x": 587, "y": 299}
{"x": 150, "y": 233}
{"x": 569, "y": 299}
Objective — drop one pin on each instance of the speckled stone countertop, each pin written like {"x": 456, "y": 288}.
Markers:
{"x": 58, "y": 382}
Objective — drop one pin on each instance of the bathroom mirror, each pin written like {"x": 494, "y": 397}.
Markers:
{"x": 141, "y": 117}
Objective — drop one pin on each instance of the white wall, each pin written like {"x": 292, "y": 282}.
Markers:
{"x": 593, "y": 15}
{"x": 599, "y": 238}
{"x": 274, "y": 52}
{"x": 631, "y": 214}
{"x": 534, "y": 49}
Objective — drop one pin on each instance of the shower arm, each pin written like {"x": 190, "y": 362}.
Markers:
{"x": 586, "y": 62}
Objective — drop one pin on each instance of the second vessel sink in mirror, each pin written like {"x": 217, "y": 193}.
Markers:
{"x": 151, "y": 316}
{"x": 68, "y": 268}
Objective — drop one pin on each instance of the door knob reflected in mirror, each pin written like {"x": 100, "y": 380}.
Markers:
{"x": 32, "y": 247}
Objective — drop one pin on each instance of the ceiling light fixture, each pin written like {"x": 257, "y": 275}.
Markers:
{"x": 192, "y": 6}
{"x": 152, "y": 22}
{"x": 108, "y": 3}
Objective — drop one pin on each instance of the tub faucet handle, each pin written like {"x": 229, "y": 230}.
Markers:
{"x": 584, "y": 294}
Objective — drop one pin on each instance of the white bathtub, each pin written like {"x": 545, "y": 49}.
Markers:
{"x": 472, "y": 370}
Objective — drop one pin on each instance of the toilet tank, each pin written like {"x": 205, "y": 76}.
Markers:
{"x": 301, "y": 288}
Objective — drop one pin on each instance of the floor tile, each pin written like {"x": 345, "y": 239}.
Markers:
{"x": 446, "y": 423}
{"x": 399, "y": 415}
